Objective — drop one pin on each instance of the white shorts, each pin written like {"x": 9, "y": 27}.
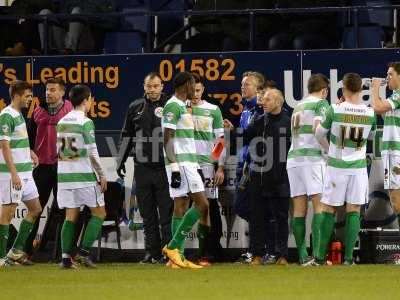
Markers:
{"x": 73, "y": 198}
{"x": 306, "y": 180}
{"x": 190, "y": 182}
{"x": 211, "y": 190}
{"x": 29, "y": 191}
{"x": 391, "y": 165}
{"x": 340, "y": 188}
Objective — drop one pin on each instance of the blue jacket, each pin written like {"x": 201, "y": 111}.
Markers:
{"x": 245, "y": 118}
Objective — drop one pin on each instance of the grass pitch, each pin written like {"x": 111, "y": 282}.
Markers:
{"x": 225, "y": 281}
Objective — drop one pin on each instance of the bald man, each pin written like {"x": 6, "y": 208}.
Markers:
{"x": 268, "y": 137}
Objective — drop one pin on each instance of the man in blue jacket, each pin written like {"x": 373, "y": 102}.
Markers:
{"x": 251, "y": 83}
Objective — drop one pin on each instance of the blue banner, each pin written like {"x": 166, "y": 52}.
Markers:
{"x": 116, "y": 80}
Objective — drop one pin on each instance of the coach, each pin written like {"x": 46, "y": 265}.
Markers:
{"x": 142, "y": 130}
{"x": 43, "y": 141}
{"x": 268, "y": 137}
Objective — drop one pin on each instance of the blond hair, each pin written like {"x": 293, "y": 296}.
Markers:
{"x": 258, "y": 77}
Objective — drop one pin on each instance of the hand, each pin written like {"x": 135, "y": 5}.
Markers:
{"x": 376, "y": 83}
{"x": 200, "y": 171}
{"x": 16, "y": 181}
{"x": 228, "y": 124}
{"x": 340, "y": 100}
{"x": 121, "y": 171}
{"x": 176, "y": 179}
{"x": 219, "y": 176}
{"x": 35, "y": 159}
{"x": 325, "y": 155}
{"x": 103, "y": 184}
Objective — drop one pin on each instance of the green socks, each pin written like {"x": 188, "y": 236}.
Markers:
{"x": 316, "y": 233}
{"x": 327, "y": 227}
{"x": 352, "y": 230}
{"x": 3, "y": 240}
{"x": 189, "y": 219}
{"x": 176, "y": 221}
{"x": 299, "y": 232}
{"x": 67, "y": 237}
{"x": 202, "y": 234}
{"x": 92, "y": 232}
{"x": 24, "y": 231}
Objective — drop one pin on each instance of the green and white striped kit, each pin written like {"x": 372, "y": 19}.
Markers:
{"x": 391, "y": 129}
{"x": 305, "y": 149}
{"x": 350, "y": 126}
{"x": 75, "y": 138}
{"x": 208, "y": 126}
{"x": 13, "y": 129}
{"x": 177, "y": 117}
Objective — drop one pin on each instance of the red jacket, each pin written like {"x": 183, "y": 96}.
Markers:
{"x": 43, "y": 134}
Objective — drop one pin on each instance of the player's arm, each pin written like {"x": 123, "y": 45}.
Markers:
{"x": 323, "y": 129}
{"x": 381, "y": 106}
{"x": 6, "y": 150}
{"x": 126, "y": 141}
{"x": 218, "y": 128}
{"x": 6, "y": 127}
{"x": 90, "y": 143}
{"x": 320, "y": 113}
{"x": 32, "y": 131}
{"x": 171, "y": 114}
{"x": 169, "y": 135}
{"x": 371, "y": 134}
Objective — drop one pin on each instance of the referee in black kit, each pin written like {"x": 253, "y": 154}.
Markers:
{"x": 142, "y": 128}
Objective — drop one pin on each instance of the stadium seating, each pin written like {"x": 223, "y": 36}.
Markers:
{"x": 123, "y": 42}
{"x": 368, "y": 37}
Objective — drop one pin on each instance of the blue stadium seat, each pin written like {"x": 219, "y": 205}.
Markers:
{"x": 132, "y": 3}
{"x": 381, "y": 17}
{"x": 139, "y": 23}
{"x": 123, "y": 42}
{"x": 369, "y": 37}
{"x": 169, "y": 24}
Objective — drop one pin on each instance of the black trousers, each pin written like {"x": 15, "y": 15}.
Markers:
{"x": 269, "y": 212}
{"x": 213, "y": 247}
{"x": 155, "y": 206}
{"x": 45, "y": 177}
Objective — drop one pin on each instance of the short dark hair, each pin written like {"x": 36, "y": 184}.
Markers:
{"x": 181, "y": 79}
{"x": 198, "y": 78}
{"x": 270, "y": 84}
{"x": 317, "y": 82}
{"x": 395, "y": 65}
{"x": 152, "y": 75}
{"x": 78, "y": 94}
{"x": 56, "y": 80}
{"x": 352, "y": 82}
{"x": 19, "y": 87}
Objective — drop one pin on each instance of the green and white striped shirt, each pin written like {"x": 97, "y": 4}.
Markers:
{"x": 13, "y": 129}
{"x": 75, "y": 139}
{"x": 305, "y": 149}
{"x": 208, "y": 127}
{"x": 350, "y": 127}
{"x": 391, "y": 128}
{"x": 177, "y": 117}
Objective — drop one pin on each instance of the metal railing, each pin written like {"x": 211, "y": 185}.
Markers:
{"x": 251, "y": 13}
